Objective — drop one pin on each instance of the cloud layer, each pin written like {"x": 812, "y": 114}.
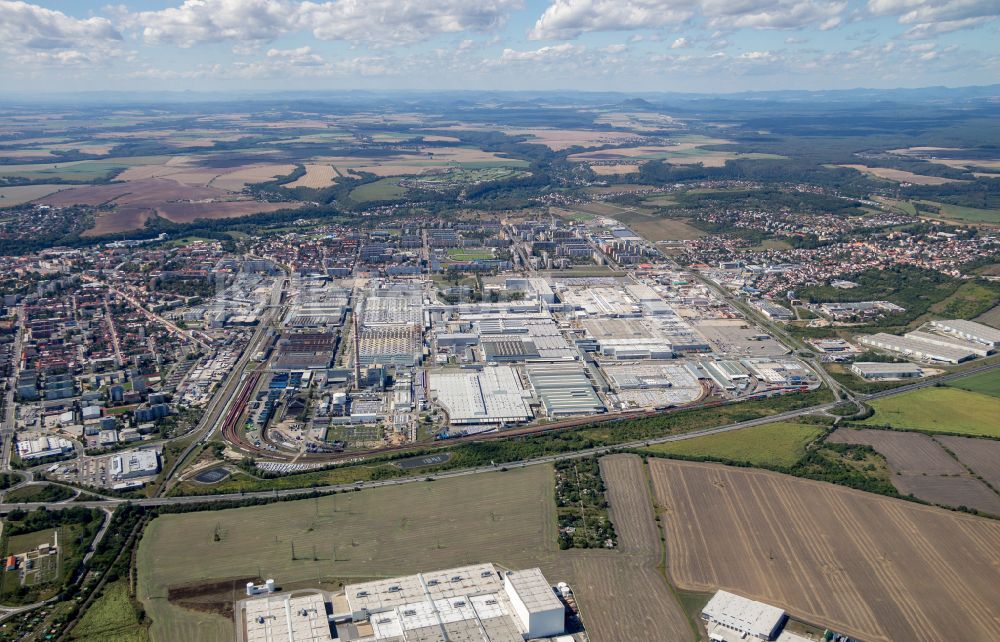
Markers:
{"x": 515, "y": 42}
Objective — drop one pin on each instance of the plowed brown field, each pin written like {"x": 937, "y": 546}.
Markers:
{"x": 981, "y": 455}
{"x": 869, "y": 566}
{"x": 907, "y": 453}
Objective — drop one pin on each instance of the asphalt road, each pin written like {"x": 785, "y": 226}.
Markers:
{"x": 163, "y": 501}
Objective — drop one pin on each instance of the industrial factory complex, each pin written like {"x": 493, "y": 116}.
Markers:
{"x": 479, "y": 603}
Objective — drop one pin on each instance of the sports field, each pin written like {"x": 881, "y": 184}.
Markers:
{"x": 871, "y": 567}
{"x": 469, "y": 254}
{"x": 777, "y": 444}
{"x": 949, "y": 410}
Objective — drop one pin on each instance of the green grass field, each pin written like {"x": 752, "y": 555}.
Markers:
{"x": 385, "y": 189}
{"x": 39, "y": 493}
{"x": 965, "y": 214}
{"x": 84, "y": 170}
{"x": 113, "y": 616}
{"x": 505, "y": 517}
{"x": 971, "y": 299}
{"x": 940, "y": 410}
{"x": 777, "y": 444}
{"x": 987, "y": 383}
{"x": 469, "y": 254}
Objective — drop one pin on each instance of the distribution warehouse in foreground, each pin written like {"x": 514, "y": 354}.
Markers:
{"x": 470, "y": 603}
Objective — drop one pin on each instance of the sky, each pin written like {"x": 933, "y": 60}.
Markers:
{"x": 593, "y": 45}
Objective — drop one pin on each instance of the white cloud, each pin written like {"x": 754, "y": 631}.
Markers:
{"x": 299, "y": 57}
{"x": 373, "y": 21}
{"x": 772, "y": 14}
{"x": 930, "y": 17}
{"x": 614, "y": 49}
{"x": 30, "y": 34}
{"x": 203, "y": 21}
{"x": 401, "y": 22}
{"x": 680, "y": 43}
{"x": 563, "y": 50}
{"x": 566, "y": 19}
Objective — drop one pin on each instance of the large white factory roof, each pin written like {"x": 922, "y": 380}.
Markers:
{"x": 917, "y": 348}
{"x": 284, "y": 618}
{"x": 492, "y": 395}
{"x": 533, "y": 589}
{"x": 970, "y": 330}
{"x": 741, "y": 614}
{"x": 467, "y": 603}
{"x": 564, "y": 389}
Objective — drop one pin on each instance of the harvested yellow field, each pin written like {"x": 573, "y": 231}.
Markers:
{"x": 965, "y": 164}
{"x": 872, "y": 567}
{"x": 610, "y": 170}
{"x": 440, "y": 139}
{"x": 901, "y": 176}
{"x": 234, "y": 181}
{"x": 317, "y": 176}
{"x": 708, "y": 159}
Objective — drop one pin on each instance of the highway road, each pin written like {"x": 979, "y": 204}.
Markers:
{"x": 785, "y": 416}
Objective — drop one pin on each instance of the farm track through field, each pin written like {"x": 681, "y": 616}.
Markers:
{"x": 653, "y": 612}
{"x": 872, "y": 567}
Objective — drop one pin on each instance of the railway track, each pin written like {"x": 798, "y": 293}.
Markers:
{"x": 268, "y": 454}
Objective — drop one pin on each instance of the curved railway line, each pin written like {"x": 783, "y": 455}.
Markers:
{"x": 272, "y": 454}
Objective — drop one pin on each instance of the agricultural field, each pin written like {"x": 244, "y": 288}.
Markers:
{"x": 872, "y": 567}
{"x": 982, "y": 456}
{"x": 923, "y": 468}
{"x": 660, "y": 228}
{"x": 113, "y": 616}
{"x": 656, "y": 614}
{"x": 947, "y": 410}
{"x": 385, "y": 189}
{"x": 987, "y": 383}
{"x": 613, "y": 170}
{"x": 317, "y": 176}
{"x": 555, "y": 139}
{"x": 907, "y": 453}
{"x": 17, "y": 194}
{"x": 684, "y": 153}
{"x": 991, "y": 317}
{"x": 777, "y": 444}
{"x": 420, "y": 526}
{"x": 80, "y": 171}
{"x": 900, "y": 176}
{"x": 959, "y": 213}
{"x": 950, "y": 491}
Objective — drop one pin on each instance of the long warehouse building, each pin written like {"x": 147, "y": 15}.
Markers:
{"x": 969, "y": 330}
{"x": 492, "y": 395}
{"x": 916, "y": 348}
{"x": 564, "y": 390}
